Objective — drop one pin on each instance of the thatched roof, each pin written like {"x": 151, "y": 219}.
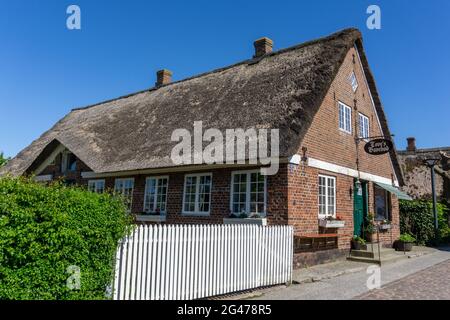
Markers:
{"x": 283, "y": 89}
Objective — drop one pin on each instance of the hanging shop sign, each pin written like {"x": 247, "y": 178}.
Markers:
{"x": 378, "y": 146}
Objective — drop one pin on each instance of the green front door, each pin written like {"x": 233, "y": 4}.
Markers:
{"x": 359, "y": 207}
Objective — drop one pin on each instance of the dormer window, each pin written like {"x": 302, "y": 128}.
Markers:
{"x": 353, "y": 82}
{"x": 69, "y": 162}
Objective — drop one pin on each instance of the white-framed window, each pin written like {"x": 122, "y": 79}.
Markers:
{"x": 248, "y": 192}
{"x": 327, "y": 196}
{"x": 363, "y": 126}
{"x": 345, "y": 117}
{"x": 155, "y": 197}
{"x": 97, "y": 186}
{"x": 125, "y": 186}
{"x": 353, "y": 82}
{"x": 197, "y": 194}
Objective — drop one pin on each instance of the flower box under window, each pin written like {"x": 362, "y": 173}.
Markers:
{"x": 384, "y": 226}
{"x": 327, "y": 223}
{"x": 257, "y": 221}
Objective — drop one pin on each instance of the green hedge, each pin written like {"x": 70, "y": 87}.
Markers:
{"x": 416, "y": 218}
{"x": 46, "y": 230}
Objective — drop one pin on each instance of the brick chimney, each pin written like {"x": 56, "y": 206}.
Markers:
{"x": 262, "y": 46}
{"x": 163, "y": 77}
{"x": 411, "y": 144}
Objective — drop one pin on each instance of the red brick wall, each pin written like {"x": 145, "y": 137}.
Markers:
{"x": 303, "y": 203}
{"x": 326, "y": 142}
{"x": 277, "y": 207}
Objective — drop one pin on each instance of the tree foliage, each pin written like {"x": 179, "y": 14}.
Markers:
{"x": 47, "y": 232}
{"x": 417, "y": 219}
{"x": 3, "y": 160}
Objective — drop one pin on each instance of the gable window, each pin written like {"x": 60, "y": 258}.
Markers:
{"x": 68, "y": 162}
{"x": 327, "y": 196}
{"x": 353, "y": 82}
{"x": 97, "y": 186}
{"x": 382, "y": 203}
{"x": 248, "y": 193}
{"x": 345, "y": 118}
{"x": 155, "y": 198}
{"x": 125, "y": 187}
{"x": 197, "y": 194}
{"x": 363, "y": 126}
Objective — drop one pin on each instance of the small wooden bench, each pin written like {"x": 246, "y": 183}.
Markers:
{"x": 315, "y": 242}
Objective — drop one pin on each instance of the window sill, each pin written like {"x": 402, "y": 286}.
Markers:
{"x": 257, "y": 221}
{"x": 150, "y": 218}
{"x": 195, "y": 214}
{"x": 345, "y": 131}
{"x": 331, "y": 223}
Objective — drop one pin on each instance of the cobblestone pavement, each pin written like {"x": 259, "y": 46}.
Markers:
{"x": 432, "y": 283}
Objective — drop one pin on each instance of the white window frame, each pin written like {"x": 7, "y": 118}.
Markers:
{"x": 95, "y": 182}
{"x": 196, "y": 212}
{"x": 361, "y": 118}
{"x": 345, "y": 109}
{"x": 353, "y": 81}
{"x": 248, "y": 192}
{"x": 121, "y": 191}
{"x": 157, "y": 178}
{"x": 327, "y": 214}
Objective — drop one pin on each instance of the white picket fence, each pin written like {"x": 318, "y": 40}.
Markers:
{"x": 183, "y": 262}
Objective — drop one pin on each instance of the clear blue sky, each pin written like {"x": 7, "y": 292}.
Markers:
{"x": 46, "y": 69}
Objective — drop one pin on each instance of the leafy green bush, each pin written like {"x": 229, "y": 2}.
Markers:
{"x": 3, "y": 160}
{"x": 406, "y": 237}
{"x": 45, "y": 230}
{"x": 416, "y": 218}
{"x": 359, "y": 240}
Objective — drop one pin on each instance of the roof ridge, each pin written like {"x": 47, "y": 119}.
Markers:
{"x": 248, "y": 61}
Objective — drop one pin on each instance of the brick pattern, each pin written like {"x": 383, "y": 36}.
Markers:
{"x": 326, "y": 142}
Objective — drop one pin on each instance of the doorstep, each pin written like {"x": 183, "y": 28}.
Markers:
{"x": 387, "y": 255}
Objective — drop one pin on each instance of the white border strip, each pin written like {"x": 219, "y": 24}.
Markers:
{"x": 331, "y": 167}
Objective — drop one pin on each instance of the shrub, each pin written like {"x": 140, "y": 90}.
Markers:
{"x": 406, "y": 237}
{"x": 3, "y": 160}
{"x": 44, "y": 230}
{"x": 416, "y": 218}
{"x": 359, "y": 240}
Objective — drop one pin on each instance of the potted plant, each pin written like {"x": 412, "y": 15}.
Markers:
{"x": 404, "y": 242}
{"x": 332, "y": 222}
{"x": 243, "y": 215}
{"x": 357, "y": 242}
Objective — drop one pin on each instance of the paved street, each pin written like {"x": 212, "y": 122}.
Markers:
{"x": 414, "y": 278}
{"x": 432, "y": 283}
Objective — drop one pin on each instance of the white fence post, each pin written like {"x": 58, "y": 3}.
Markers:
{"x": 173, "y": 262}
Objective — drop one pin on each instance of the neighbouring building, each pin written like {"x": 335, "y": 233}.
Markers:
{"x": 417, "y": 175}
{"x": 322, "y": 97}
